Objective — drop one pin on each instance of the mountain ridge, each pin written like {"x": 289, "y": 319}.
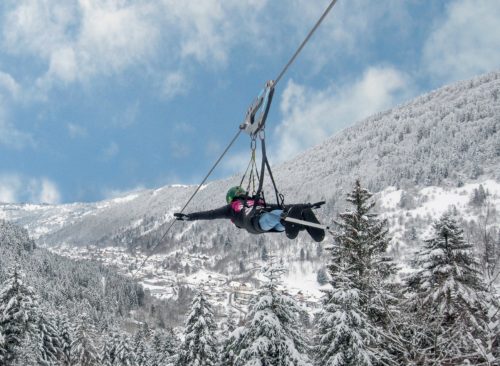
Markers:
{"x": 447, "y": 137}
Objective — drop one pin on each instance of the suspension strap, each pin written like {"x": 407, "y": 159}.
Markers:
{"x": 251, "y": 168}
{"x": 265, "y": 165}
{"x": 276, "y": 192}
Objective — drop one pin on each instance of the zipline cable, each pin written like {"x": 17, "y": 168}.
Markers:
{"x": 284, "y": 70}
{"x": 189, "y": 201}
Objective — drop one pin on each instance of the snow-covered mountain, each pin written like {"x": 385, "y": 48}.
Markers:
{"x": 421, "y": 159}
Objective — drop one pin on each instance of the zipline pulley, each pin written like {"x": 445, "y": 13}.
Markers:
{"x": 255, "y": 119}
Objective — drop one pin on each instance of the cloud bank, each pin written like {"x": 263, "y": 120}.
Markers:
{"x": 466, "y": 43}
{"x": 15, "y": 188}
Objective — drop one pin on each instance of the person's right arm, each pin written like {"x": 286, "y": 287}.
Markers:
{"x": 219, "y": 213}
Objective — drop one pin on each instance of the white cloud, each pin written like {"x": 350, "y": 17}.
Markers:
{"x": 207, "y": 30}
{"x": 63, "y": 65}
{"x": 467, "y": 42}
{"x": 38, "y": 27}
{"x": 82, "y": 39}
{"x": 310, "y": 116}
{"x": 47, "y": 192}
{"x": 175, "y": 84}
{"x": 15, "y": 188}
{"x": 9, "y": 84}
{"x": 9, "y": 188}
{"x": 115, "y": 35}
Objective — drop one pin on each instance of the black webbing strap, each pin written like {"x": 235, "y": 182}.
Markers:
{"x": 265, "y": 165}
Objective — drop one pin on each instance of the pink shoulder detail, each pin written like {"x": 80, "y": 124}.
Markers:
{"x": 236, "y": 205}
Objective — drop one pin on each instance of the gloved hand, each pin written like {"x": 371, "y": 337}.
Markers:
{"x": 181, "y": 217}
{"x": 318, "y": 204}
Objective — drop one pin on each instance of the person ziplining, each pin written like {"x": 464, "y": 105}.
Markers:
{"x": 250, "y": 211}
{"x": 257, "y": 217}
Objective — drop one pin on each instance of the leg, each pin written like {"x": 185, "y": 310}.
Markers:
{"x": 292, "y": 229}
{"x": 317, "y": 234}
{"x": 271, "y": 220}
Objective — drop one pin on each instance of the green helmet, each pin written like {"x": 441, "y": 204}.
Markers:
{"x": 234, "y": 192}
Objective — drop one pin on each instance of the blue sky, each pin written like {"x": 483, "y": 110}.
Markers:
{"x": 98, "y": 98}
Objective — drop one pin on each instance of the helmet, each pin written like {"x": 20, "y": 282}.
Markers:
{"x": 234, "y": 192}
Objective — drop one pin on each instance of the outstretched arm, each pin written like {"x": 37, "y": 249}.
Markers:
{"x": 219, "y": 213}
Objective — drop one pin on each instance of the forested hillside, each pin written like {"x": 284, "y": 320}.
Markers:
{"x": 56, "y": 311}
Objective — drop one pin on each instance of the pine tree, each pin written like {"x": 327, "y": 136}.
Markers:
{"x": 84, "y": 351}
{"x": 48, "y": 341}
{"x": 121, "y": 349}
{"x": 200, "y": 345}
{"x": 355, "y": 321}
{"x": 17, "y": 313}
{"x": 272, "y": 333}
{"x": 164, "y": 348}
{"x": 140, "y": 348}
{"x": 66, "y": 337}
{"x": 2, "y": 348}
{"x": 26, "y": 354}
{"x": 448, "y": 296}
{"x": 106, "y": 353}
{"x": 344, "y": 337}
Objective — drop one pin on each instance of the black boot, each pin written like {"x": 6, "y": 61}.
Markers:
{"x": 317, "y": 234}
{"x": 292, "y": 229}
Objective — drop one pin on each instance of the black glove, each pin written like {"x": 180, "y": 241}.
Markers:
{"x": 318, "y": 204}
{"x": 181, "y": 217}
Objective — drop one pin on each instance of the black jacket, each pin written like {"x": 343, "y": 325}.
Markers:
{"x": 247, "y": 218}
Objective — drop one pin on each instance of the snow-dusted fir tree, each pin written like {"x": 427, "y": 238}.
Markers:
{"x": 164, "y": 348}
{"x": 26, "y": 354}
{"x": 272, "y": 334}
{"x": 122, "y": 350}
{"x": 106, "y": 352}
{"x": 344, "y": 337}
{"x": 83, "y": 348}
{"x": 17, "y": 314}
{"x": 449, "y": 299}
{"x": 48, "y": 341}
{"x": 2, "y": 348}
{"x": 200, "y": 345}
{"x": 140, "y": 346}
{"x": 354, "y": 323}
{"x": 66, "y": 337}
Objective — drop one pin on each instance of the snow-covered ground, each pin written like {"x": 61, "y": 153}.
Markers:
{"x": 424, "y": 206}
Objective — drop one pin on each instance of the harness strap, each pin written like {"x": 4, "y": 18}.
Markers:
{"x": 265, "y": 165}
